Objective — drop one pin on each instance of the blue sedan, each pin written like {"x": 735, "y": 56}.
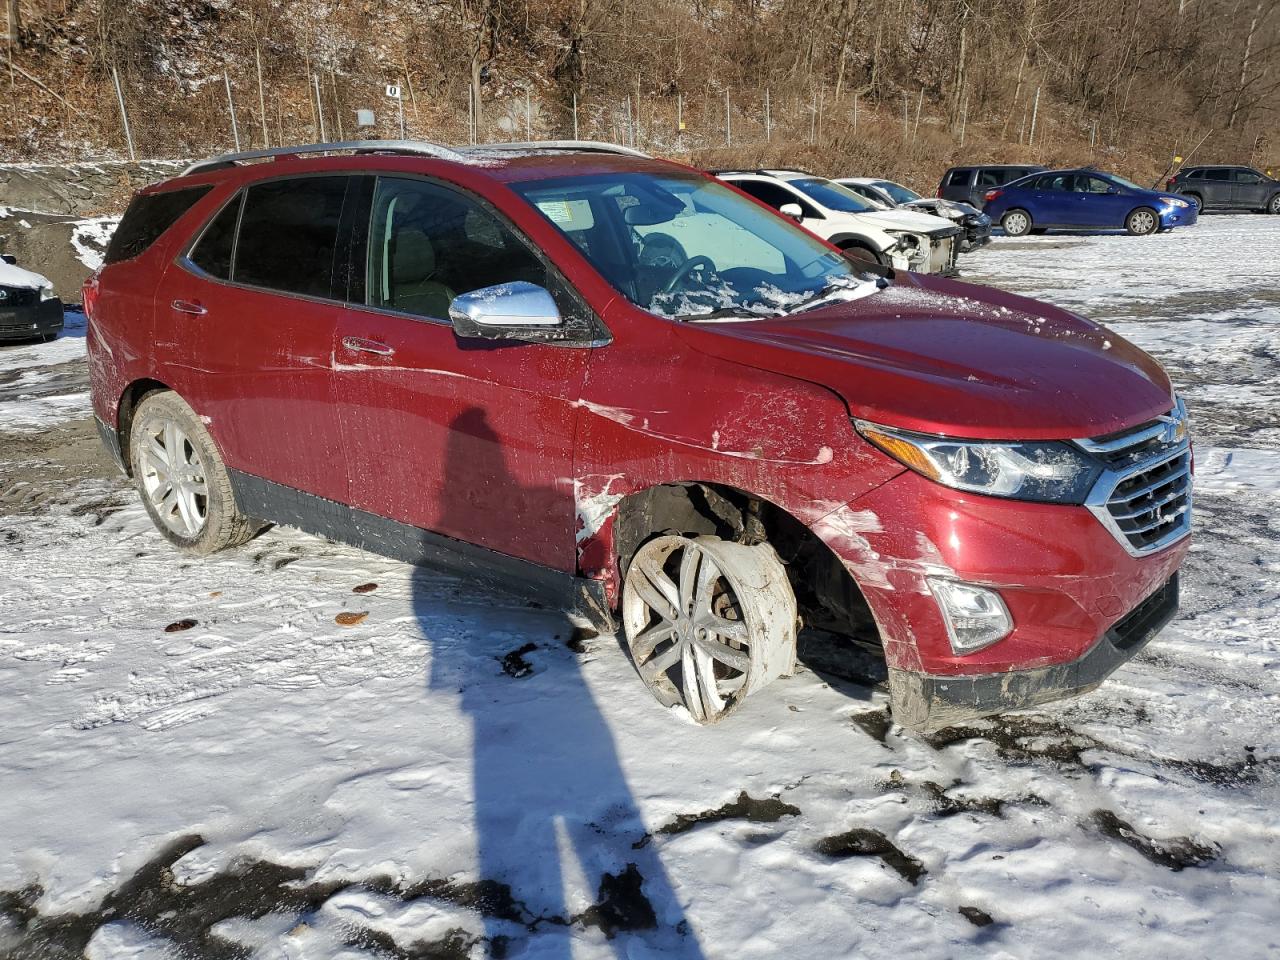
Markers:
{"x": 1080, "y": 199}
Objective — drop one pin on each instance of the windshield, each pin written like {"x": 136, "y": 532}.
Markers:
{"x": 899, "y": 193}
{"x": 1125, "y": 183}
{"x": 687, "y": 247}
{"x": 833, "y": 196}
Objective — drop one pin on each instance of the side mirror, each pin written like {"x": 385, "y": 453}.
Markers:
{"x": 9, "y": 258}
{"x": 792, "y": 210}
{"x": 507, "y": 311}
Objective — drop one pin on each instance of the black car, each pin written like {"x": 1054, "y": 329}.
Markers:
{"x": 975, "y": 223}
{"x": 1227, "y": 188}
{"x": 970, "y": 184}
{"x": 28, "y": 307}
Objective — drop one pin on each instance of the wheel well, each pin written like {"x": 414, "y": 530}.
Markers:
{"x": 129, "y": 400}
{"x": 845, "y": 242}
{"x": 827, "y": 596}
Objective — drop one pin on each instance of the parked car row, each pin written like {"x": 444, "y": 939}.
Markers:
{"x": 1032, "y": 199}
{"x": 627, "y": 387}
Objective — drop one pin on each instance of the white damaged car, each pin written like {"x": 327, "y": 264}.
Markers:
{"x": 903, "y": 239}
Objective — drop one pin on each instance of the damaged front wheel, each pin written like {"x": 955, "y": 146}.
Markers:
{"x": 708, "y": 621}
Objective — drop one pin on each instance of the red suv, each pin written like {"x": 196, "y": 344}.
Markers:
{"x": 622, "y": 385}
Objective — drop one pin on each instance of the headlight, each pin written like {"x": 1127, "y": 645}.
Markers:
{"x": 1047, "y": 472}
{"x": 1177, "y": 203}
{"x": 46, "y": 292}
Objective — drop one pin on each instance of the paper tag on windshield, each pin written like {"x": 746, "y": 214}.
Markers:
{"x": 568, "y": 214}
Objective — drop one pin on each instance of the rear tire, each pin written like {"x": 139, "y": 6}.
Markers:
{"x": 1142, "y": 221}
{"x": 1197, "y": 201}
{"x": 1274, "y": 205}
{"x": 1016, "y": 223}
{"x": 182, "y": 480}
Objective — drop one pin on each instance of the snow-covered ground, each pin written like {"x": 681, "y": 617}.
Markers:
{"x": 197, "y": 759}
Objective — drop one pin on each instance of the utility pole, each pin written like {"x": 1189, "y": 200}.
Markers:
{"x": 231, "y": 107}
{"x": 124, "y": 114}
{"x": 1035, "y": 109}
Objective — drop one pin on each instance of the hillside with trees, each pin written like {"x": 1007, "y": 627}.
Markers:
{"x": 897, "y": 88}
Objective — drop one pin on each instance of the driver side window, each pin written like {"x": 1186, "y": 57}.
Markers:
{"x": 427, "y": 244}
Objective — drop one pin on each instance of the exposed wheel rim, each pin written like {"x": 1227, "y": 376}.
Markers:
{"x": 708, "y": 621}
{"x": 1142, "y": 222}
{"x": 173, "y": 476}
{"x": 1275, "y": 203}
{"x": 1016, "y": 223}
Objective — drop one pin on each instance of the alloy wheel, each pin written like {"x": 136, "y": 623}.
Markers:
{"x": 173, "y": 476}
{"x": 707, "y": 621}
{"x": 1016, "y": 223}
{"x": 1142, "y": 221}
{"x": 1275, "y": 204}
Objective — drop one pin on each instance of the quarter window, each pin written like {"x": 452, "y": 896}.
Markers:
{"x": 213, "y": 250}
{"x": 289, "y": 235}
{"x": 427, "y": 244}
{"x": 959, "y": 178}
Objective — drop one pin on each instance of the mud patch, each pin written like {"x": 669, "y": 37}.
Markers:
{"x": 863, "y": 842}
{"x": 514, "y": 663}
{"x": 621, "y": 904}
{"x": 746, "y": 807}
{"x": 978, "y": 917}
{"x": 1176, "y": 853}
{"x": 874, "y": 723}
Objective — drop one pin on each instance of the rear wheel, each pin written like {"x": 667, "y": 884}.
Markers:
{"x": 1274, "y": 205}
{"x": 1016, "y": 223}
{"x": 1142, "y": 221}
{"x": 708, "y": 621}
{"x": 181, "y": 478}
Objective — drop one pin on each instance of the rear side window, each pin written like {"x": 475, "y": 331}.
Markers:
{"x": 1218, "y": 174}
{"x": 958, "y": 178}
{"x": 213, "y": 250}
{"x": 147, "y": 217}
{"x": 990, "y": 178}
{"x": 289, "y": 233}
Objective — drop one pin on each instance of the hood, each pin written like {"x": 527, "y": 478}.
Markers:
{"x": 938, "y": 356}
{"x": 910, "y": 220}
{"x": 12, "y": 276}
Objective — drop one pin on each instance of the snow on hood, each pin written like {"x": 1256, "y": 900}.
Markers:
{"x": 944, "y": 357}
{"x": 13, "y": 276}
{"x": 900, "y": 219}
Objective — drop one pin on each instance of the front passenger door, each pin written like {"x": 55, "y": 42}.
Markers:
{"x": 472, "y": 439}
{"x": 1250, "y": 191}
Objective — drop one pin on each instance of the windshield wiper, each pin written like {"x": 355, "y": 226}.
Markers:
{"x": 830, "y": 294}
{"x": 724, "y": 312}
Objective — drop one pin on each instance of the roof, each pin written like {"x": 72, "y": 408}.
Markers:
{"x": 503, "y": 161}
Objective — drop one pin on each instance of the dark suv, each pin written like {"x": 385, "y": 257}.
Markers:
{"x": 619, "y": 384}
{"x": 970, "y": 184}
{"x": 1227, "y": 188}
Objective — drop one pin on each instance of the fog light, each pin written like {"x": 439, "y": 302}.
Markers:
{"x": 975, "y": 616}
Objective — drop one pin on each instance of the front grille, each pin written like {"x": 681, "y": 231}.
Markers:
{"x": 18, "y": 296}
{"x": 1144, "y": 495}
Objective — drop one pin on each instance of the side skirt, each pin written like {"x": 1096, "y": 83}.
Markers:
{"x": 277, "y": 503}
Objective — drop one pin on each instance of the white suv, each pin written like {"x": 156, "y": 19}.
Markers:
{"x": 901, "y": 239}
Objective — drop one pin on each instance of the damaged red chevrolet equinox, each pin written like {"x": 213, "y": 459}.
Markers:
{"x": 624, "y": 387}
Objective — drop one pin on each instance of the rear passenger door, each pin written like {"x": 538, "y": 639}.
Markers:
{"x": 246, "y": 319}
{"x": 472, "y": 439}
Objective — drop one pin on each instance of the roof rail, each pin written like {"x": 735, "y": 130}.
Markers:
{"x": 421, "y": 147}
{"x": 585, "y": 146}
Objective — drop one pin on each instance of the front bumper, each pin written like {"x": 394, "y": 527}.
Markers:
{"x": 1178, "y": 216}
{"x": 977, "y": 233}
{"x": 1065, "y": 579}
{"x": 928, "y": 703}
{"x": 30, "y": 320}
{"x": 933, "y": 253}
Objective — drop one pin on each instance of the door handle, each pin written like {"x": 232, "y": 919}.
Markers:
{"x": 189, "y": 308}
{"x": 360, "y": 345}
